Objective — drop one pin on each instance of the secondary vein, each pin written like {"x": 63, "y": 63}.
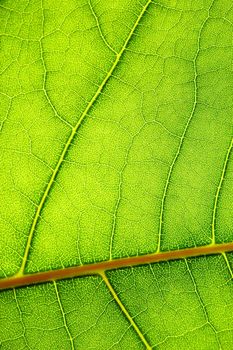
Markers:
{"x": 63, "y": 315}
{"x": 124, "y": 310}
{"x": 72, "y": 135}
{"x": 202, "y": 304}
{"x": 181, "y": 143}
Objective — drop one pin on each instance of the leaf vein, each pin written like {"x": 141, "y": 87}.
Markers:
{"x": 181, "y": 143}
{"x": 202, "y": 304}
{"x": 63, "y": 315}
{"x": 72, "y": 135}
{"x": 124, "y": 310}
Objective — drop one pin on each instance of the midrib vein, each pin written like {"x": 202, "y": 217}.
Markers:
{"x": 101, "y": 267}
{"x": 125, "y": 312}
{"x": 71, "y": 137}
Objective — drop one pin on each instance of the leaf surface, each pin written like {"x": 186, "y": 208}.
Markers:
{"x": 116, "y": 174}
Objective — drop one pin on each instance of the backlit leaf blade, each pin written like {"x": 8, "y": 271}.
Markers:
{"x": 116, "y": 144}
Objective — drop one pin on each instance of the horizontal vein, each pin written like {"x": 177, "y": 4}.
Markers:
{"x": 125, "y": 312}
{"x": 71, "y": 137}
{"x": 99, "y": 268}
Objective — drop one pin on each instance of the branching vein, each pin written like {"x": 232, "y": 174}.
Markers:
{"x": 203, "y": 306}
{"x": 99, "y": 28}
{"x": 171, "y": 168}
{"x": 125, "y": 312}
{"x": 228, "y": 264}
{"x": 63, "y": 315}
{"x": 72, "y": 135}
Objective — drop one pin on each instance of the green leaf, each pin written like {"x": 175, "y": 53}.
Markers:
{"x": 116, "y": 174}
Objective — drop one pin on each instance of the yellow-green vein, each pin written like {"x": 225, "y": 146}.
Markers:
{"x": 45, "y": 77}
{"x": 63, "y": 315}
{"x": 99, "y": 28}
{"x": 203, "y": 306}
{"x": 71, "y": 137}
{"x": 125, "y": 312}
{"x": 174, "y": 161}
{"x": 20, "y": 317}
{"x": 228, "y": 264}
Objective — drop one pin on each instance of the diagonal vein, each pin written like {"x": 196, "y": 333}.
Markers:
{"x": 72, "y": 135}
{"x": 228, "y": 264}
{"x": 125, "y": 312}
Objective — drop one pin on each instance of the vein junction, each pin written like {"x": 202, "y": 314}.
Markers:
{"x": 72, "y": 135}
{"x": 101, "y": 267}
{"x": 124, "y": 310}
